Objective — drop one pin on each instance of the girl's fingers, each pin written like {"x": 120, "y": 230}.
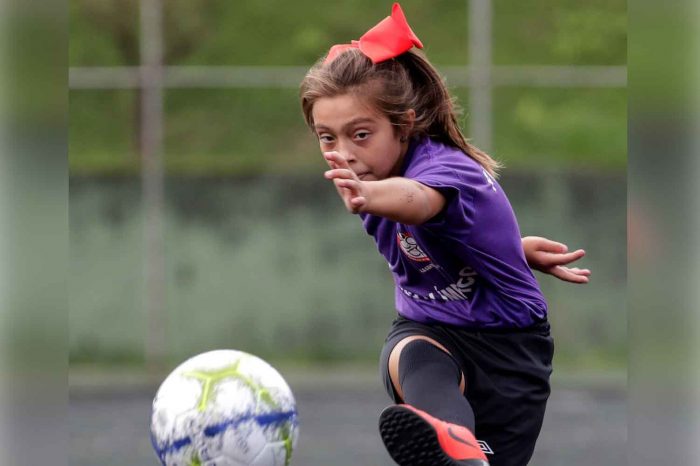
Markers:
{"x": 343, "y": 190}
{"x": 566, "y": 274}
{"x": 563, "y": 259}
{"x": 358, "y": 202}
{"x": 331, "y": 163}
{"x": 571, "y": 278}
{"x": 350, "y": 184}
{"x": 336, "y": 158}
{"x": 548, "y": 245}
{"x": 344, "y": 173}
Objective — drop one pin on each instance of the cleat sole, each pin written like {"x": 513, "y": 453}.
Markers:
{"x": 412, "y": 441}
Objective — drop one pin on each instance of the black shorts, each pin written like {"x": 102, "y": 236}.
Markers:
{"x": 507, "y": 381}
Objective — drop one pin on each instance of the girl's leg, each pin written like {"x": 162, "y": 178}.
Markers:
{"x": 436, "y": 424}
{"x": 425, "y": 375}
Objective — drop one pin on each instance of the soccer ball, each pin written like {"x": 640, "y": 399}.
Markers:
{"x": 224, "y": 408}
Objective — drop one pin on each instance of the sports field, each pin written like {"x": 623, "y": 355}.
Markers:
{"x": 585, "y": 422}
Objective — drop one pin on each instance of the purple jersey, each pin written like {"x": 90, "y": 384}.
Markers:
{"x": 465, "y": 266}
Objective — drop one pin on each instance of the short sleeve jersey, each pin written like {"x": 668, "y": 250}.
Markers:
{"x": 466, "y": 265}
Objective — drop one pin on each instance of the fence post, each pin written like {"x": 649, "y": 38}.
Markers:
{"x": 479, "y": 110}
{"x": 152, "y": 180}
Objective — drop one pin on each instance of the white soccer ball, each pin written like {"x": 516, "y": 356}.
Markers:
{"x": 224, "y": 408}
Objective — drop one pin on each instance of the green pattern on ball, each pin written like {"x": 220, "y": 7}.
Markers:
{"x": 212, "y": 378}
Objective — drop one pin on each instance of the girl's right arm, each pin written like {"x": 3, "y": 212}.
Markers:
{"x": 403, "y": 200}
{"x": 399, "y": 199}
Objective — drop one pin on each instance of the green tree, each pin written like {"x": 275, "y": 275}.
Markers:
{"x": 185, "y": 23}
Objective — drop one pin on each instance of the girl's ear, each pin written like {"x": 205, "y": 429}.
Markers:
{"x": 409, "y": 122}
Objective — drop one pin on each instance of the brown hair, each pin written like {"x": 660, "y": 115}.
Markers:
{"x": 393, "y": 87}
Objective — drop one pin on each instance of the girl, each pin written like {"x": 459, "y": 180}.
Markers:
{"x": 470, "y": 352}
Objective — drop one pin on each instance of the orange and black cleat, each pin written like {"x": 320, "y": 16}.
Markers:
{"x": 415, "y": 438}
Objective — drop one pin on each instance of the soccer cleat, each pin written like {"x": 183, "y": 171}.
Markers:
{"x": 415, "y": 438}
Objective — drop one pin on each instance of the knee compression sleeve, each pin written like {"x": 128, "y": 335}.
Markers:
{"x": 429, "y": 379}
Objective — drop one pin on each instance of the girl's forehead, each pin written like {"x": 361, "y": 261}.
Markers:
{"x": 340, "y": 109}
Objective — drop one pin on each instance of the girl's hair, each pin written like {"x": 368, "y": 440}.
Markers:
{"x": 393, "y": 87}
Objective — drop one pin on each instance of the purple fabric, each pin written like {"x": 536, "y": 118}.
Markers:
{"x": 465, "y": 266}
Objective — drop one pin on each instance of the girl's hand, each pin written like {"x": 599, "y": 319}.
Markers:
{"x": 351, "y": 189}
{"x": 550, "y": 257}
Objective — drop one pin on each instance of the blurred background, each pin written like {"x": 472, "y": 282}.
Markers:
{"x": 199, "y": 218}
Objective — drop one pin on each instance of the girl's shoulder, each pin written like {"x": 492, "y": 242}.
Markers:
{"x": 435, "y": 156}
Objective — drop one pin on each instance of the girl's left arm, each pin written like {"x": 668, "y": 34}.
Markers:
{"x": 551, "y": 257}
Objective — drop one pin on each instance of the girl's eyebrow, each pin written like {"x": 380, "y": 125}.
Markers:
{"x": 350, "y": 123}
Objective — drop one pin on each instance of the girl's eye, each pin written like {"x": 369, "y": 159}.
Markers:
{"x": 324, "y": 138}
{"x": 362, "y": 135}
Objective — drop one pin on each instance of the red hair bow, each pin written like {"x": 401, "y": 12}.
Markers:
{"x": 388, "y": 39}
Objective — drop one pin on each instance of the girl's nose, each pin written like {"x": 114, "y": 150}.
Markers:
{"x": 346, "y": 152}
{"x": 349, "y": 157}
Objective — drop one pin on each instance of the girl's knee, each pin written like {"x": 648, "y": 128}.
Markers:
{"x": 395, "y": 358}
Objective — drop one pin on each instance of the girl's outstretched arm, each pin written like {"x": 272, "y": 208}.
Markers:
{"x": 399, "y": 199}
{"x": 550, "y": 257}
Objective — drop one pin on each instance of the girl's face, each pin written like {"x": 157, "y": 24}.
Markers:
{"x": 363, "y": 136}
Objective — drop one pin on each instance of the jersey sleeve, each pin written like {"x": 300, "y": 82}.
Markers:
{"x": 457, "y": 216}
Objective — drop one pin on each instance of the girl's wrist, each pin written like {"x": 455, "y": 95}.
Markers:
{"x": 368, "y": 190}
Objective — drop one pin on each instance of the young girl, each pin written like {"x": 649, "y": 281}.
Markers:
{"x": 470, "y": 352}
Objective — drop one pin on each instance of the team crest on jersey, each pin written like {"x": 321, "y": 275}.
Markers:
{"x": 410, "y": 247}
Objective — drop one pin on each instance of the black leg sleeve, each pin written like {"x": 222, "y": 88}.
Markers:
{"x": 429, "y": 379}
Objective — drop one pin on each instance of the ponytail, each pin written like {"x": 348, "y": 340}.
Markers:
{"x": 439, "y": 110}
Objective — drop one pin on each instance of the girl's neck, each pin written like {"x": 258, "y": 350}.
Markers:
{"x": 406, "y": 153}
